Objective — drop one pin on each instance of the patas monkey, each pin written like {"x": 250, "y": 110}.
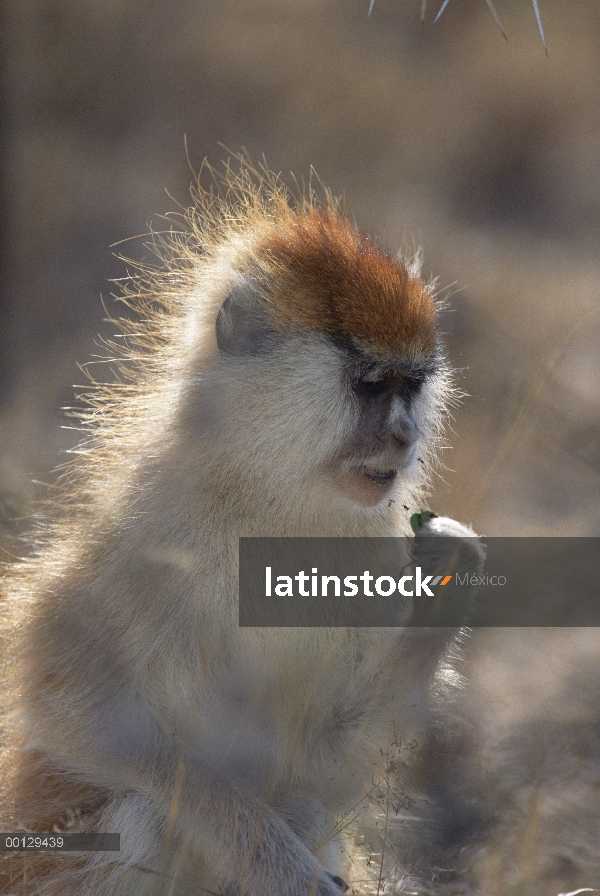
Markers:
{"x": 286, "y": 379}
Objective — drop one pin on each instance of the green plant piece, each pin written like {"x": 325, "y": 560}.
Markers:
{"x": 420, "y": 518}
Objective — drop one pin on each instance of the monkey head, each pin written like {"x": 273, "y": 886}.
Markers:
{"x": 327, "y": 364}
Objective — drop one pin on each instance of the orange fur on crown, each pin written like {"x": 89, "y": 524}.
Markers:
{"x": 335, "y": 280}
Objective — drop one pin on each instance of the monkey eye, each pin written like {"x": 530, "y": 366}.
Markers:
{"x": 414, "y": 383}
{"x": 372, "y": 376}
{"x": 370, "y": 383}
{"x": 368, "y": 389}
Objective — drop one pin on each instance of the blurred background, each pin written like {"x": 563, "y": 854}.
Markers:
{"x": 486, "y": 153}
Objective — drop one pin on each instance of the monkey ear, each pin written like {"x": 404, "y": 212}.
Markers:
{"x": 242, "y": 327}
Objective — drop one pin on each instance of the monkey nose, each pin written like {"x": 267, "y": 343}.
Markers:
{"x": 405, "y": 436}
{"x": 402, "y": 428}
{"x": 404, "y": 441}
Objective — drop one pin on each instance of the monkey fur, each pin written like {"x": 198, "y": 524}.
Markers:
{"x": 282, "y": 376}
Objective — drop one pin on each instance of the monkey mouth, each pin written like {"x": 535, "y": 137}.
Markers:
{"x": 366, "y": 484}
{"x": 379, "y": 475}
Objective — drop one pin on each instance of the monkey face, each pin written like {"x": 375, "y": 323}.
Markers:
{"x": 324, "y": 407}
{"x": 338, "y": 412}
{"x": 386, "y": 435}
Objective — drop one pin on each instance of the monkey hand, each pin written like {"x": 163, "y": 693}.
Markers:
{"x": 451, "y": 551}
